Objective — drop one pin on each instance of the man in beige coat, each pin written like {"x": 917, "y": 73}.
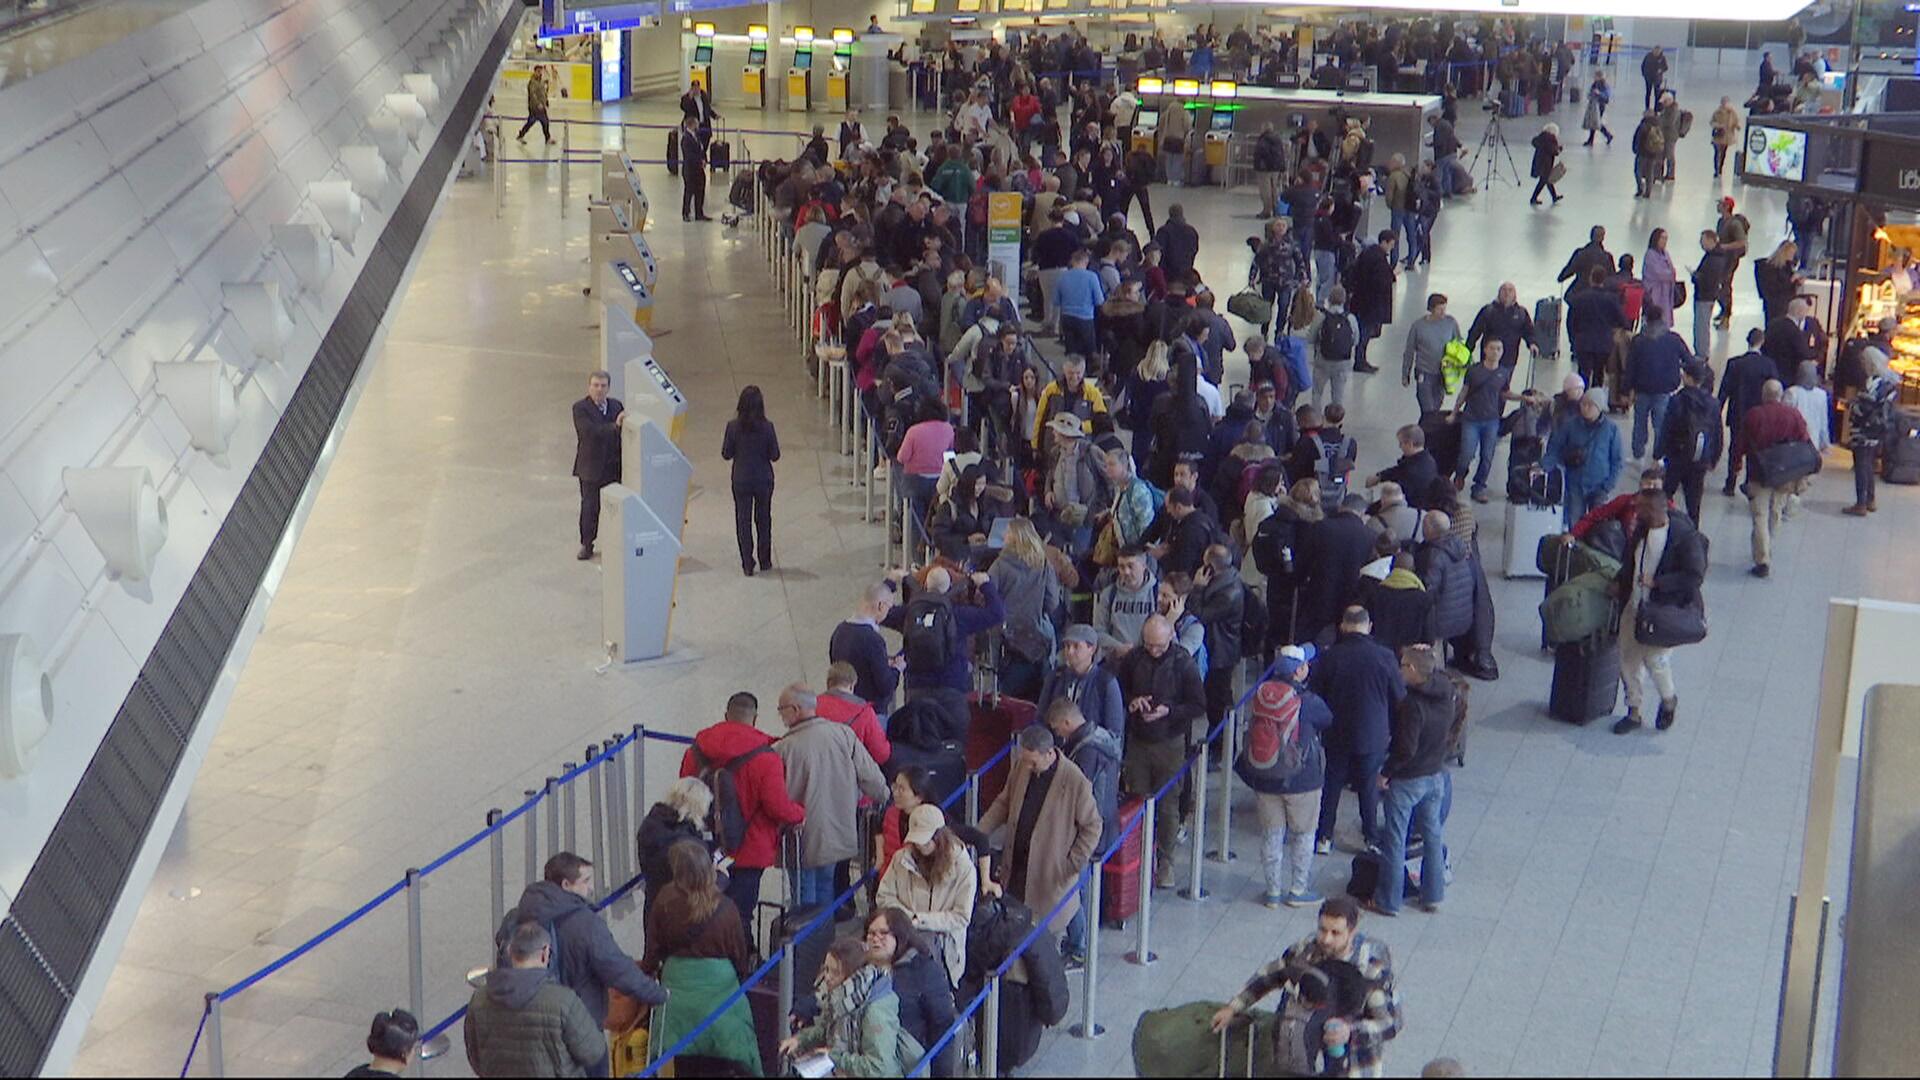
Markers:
{"x": 827, "y": 773}
{"x": 1053, "y": 826}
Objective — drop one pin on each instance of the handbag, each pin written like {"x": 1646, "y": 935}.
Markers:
{"x": 1557, "y": 173}
{"x": 1106, "y": 547}
{"x": 1665, "y": 626}
{"x": 1784, "y": 464}
{"x": 1250, "y": 306}
{"x": 1679, "y": 293}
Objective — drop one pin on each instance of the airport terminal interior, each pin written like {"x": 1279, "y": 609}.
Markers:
{"x": 423, "y": 647}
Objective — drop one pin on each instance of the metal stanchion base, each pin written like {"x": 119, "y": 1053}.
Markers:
{"x": 1080, "y": 1031}
{"x": 1134, "y": 958}
{"x": 1187, "y": 894}
{"x": 435, "y": 1047}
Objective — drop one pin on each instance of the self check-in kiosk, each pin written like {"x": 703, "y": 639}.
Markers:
{"x": 1146, "y": 119}
{"x": 640, "y": 569}
{"x": 1220, "y": 128}
{"x": 620, "y": 185}
{"x": 800, "y": 74}
{"x": 652, "y": 465}
{"x": 840, "y": 69}
{"x": 626, "y": 314}
{"x": 652, "y": 395}
{"x": 753, "y": 77}
{"x": 700, "y": 72}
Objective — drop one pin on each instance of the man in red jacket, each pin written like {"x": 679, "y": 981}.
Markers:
{"x": 735, "y": 746}
{"x": 1766, "y": 425}
{"x": 842, "y": 706}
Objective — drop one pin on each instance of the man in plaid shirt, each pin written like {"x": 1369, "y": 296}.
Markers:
{"x": 1338, "y": 939}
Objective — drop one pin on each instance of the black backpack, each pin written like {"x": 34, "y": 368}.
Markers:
{"x": 1696, "y": 436}
{"x": 929, "y": 635}
{"x": 1336, "y": 335}
{"x": 1253, "y": 621}
{"x": 729, "y": 814}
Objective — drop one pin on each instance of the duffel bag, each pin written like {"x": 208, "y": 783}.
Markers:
{"x": 1249, "y": 305}
{"x": 1577, "y": 610}
{"x": 1665, "y": 626}
{"x": 1179, "y": 1042}
{"x": 1783, "y": 464}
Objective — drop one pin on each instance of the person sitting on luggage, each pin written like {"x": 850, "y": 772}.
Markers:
{"x": 934, "y": 881}
{"x": 859, "y": 1023}
{"x": 1337, "y": 940}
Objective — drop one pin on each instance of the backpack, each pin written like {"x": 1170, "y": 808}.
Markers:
{"x": 1295, "y": 1052}
{"x": 1330, "y": 468}
{"x": 1336, "y": 335}
{"x": 1697, "y": 437}
{"x": 1190, "y": 619}
{"x": 1577, "y": 610}
{"x": 1253, "y": 621}
{"x": 930, "y": 638}
{"x": 729, "y": 814}
{"x": 1273, "y": 732}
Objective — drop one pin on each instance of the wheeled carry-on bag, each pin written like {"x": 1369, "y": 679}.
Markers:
{"x": 1180, "y": 1042}
{"x": 1546, "y": 326}
{"x": 1586, "y": 681}
{"x": 1900, "y": 452}
{"x": 1526, "y": 526}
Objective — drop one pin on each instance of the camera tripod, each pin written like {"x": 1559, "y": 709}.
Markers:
{"x": 1493, "y": 147}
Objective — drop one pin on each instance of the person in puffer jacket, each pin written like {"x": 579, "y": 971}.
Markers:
{"x": 1442, "y": 564}
{"x": 1588, "y": 448}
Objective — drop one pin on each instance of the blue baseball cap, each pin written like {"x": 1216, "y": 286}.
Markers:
{"x": 1294, "y": 657}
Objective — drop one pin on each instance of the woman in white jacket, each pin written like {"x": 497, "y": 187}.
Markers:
{"x": 933, "y": 879}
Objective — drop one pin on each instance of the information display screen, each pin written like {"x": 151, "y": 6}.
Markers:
{"x": 757, "y": 55}
{"x": 1778, "y": 153}
{"x": 1222, "y": 121}
{"x": 562, "y": 17}
{"x": 703, "y": 54}
{"x": 1146, "y": 118}
{"x": 802, "y": 59}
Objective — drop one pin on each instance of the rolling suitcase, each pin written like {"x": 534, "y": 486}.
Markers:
{"x": 720, "y": 156}
{"x": 994, "y": 719}
{"x": 1527, "y": 525}
{"x": 809, "y": 953}
{"x": 1443, "y": 442}
{"x": 1546, "y": 326}
{"x": 1900, "y": 452}
{"x": 1586, "y": 681}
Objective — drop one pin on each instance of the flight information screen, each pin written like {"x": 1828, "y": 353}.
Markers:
{"x": 561, "y": 17}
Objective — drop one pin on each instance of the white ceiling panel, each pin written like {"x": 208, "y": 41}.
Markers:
{"x": 283, "y": 30}
{"x": 26, "y": 283}
{"x": 304, "y": 65}
{"x": 40, "y": 361}
{"x": 163, "y": 335}
{"x": 90, "y": 411}
{"x": 89, "y": 230}
{"x": 248, "y": 167}
{"x": 220, "y": 20}
{"x": 221, "y": 125}
{"x": 263, "y": 93}
{"x": 132, "y": 124}
{"x": 274, "y": 204}
{"x": 285, "y": 127}
{"x": 112, "y": 71}
{"x": 192, "y": 222}
{"x": 176, "y": 163}
{"x": 320, "y": 101}
{"x": 45, "y": 600}
{"x": 125, "y": 284}
{"x": 219, "y": 483}
{"x": 23, "y": 120}
{"x": 54, "y": 173}
{"x": 165, "y": 45}
{"x": 238, "y": 55}
{"x": 17, "y": 520}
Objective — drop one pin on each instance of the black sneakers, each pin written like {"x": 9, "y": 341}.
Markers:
{"x": 1627, "y": 724}
{"x": 1664, "y": 718}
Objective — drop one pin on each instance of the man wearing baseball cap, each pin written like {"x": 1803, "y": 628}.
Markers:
{"x": 1079, "y": 679}
{"x": 1285, "y": 765}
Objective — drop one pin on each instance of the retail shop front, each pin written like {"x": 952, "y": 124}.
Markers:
{"x": 1863, "y": 171}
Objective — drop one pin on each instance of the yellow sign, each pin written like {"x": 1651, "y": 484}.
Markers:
{"x": 1003, "y": 217}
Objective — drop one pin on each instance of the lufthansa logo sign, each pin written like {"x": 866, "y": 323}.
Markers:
{"x": 1756, "y": 142}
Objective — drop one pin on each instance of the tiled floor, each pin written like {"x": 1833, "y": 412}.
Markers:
{"x": 1619, "y": 904}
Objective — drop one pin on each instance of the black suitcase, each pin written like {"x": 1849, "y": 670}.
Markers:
{"x": 1363, "y": 881}
{"x": 673, "y": 152}
{"x": 768, "y": 1024}
{"x": 1900, "y": 453}
{"x": 1546, "y": 326}
{"x": 720, "y": 156}
{"x": 809, "y": 953}
{"x": 946, "y": 766}
{"x": 1586, "y": 681}
{"x": 1443, "y": 442}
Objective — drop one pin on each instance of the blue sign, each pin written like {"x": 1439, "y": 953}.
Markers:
{"x": 558, "y": 18}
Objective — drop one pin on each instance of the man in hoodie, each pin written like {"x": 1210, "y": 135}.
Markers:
{"x": 1088, "y": 685}
{"x": 523, "y": 1023}
{"x": 1122, "y": 606}
{"x": 1654, "y": 364}
{"x": 1286, "y": 776}
{"x": 737, "y": 747}
{"x": 1361, "y": 684}
{"x": 586, "y": 959}
{"x": 1416, "y": 782}
{"x": 828, "y": 772}
{"x": 1165, "y": 695}
{"x": 1096, "y": 751}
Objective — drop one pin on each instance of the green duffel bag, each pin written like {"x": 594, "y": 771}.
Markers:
{"x": 1179, "y": 1042}
{"x": 1249, "y": 305}
{"x": 1562, "y": 558}
{"x": 1587, "y": 559}
{"x": 1577, "y": 610}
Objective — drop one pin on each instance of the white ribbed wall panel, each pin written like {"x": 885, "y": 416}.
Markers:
{"x": 135, "y": 183}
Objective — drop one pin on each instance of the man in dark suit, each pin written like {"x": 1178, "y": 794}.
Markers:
{"x": 596, "y": 460}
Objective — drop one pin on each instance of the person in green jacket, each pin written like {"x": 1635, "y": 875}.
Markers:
{"x": 953, "y": 180}
{"x": 523, "y": 1023}
{"x": 859, "y": 1022}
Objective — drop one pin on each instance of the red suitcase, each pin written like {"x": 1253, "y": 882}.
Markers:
{"x": 1129, "y": 852}
{"x": 1119, "y": 892}
{"x": 991, "y": 725}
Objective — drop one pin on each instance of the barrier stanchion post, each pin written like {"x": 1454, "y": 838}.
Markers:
{"x": 597, "y": 823}
{"x": 499, "y": 182}
{"x": 1229, "y": 737}
{"x": 216, "y": 1046}
{"x": 616, "y": 812}
{"x": 886, "y": 515}
{"x": 1142, "y": 953}
{"x": 990, "y": 1043}
{"x": 640, "y": 806}
{"x": 1196, "y": 889}
{"x": 497, "y": 860}
{"x": 1090, "y": 975}
{"x": 553, "y": 819}
{"x": 973, "y": 799}
{"x": 569, "y": 811}
{"x": 416, "y": 954}
{"x": 786, "y": 979}
{"x": 566, "y": 144}
{"x": 532, "y": 818}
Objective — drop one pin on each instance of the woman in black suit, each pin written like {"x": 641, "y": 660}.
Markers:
{"x": 753, "y": 447}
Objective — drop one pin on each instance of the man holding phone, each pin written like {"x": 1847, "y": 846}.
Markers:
{"x": 1165, "y": 695}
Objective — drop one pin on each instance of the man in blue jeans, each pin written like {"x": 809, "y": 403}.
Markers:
{"x": 1655, "y": 361}
{"x": 1482, "y": 392}
{"x": 1077, "y": 295}
{"x": 1415, "y": 782}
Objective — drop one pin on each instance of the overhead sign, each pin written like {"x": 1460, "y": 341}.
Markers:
{"x": 562, "y": 17}
{"x": 1755, "y": 11}
{"x": 1891, "y": 172}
